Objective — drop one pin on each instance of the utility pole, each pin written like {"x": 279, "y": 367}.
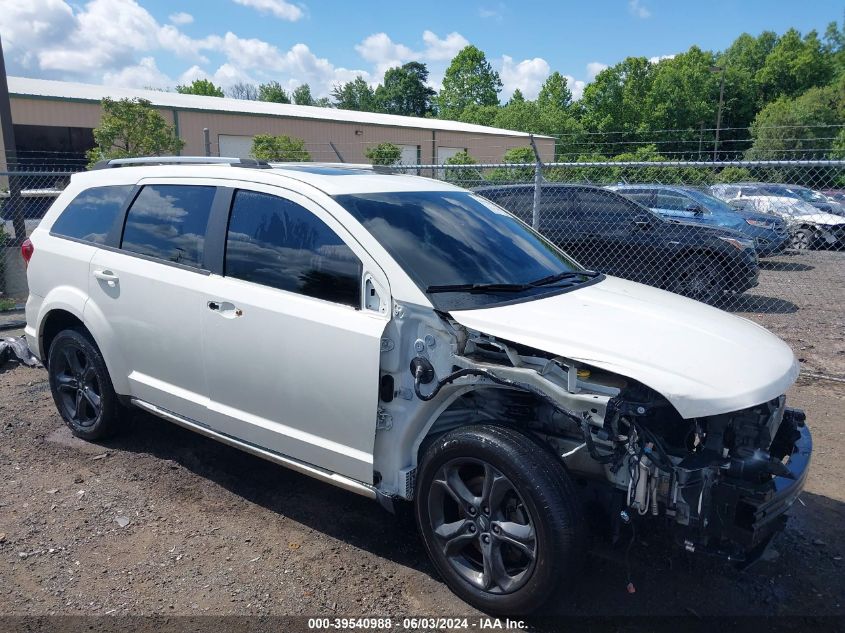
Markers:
{"x": 10, "y": 151}
{"x": 719, "y": 69}
{"x": 700, "y": 137}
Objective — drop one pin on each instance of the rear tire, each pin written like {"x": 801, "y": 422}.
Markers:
{"x": 698, "y": 277}
{"x": 499, "y": 517}
{"x": 81, "y": 386}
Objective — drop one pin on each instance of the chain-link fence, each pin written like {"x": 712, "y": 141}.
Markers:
{"x": 747, "y": 236}
{"x": 25, "y": 197}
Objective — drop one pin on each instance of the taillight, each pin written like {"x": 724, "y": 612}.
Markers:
{"x": 27, "y": 249}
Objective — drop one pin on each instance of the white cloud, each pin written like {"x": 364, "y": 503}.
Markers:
{"x": 145, "y": 74}
{"x": 593, "y": 69}
{"x": 436, "y": 52}
{"x": 102, "y": 37}
{"x": 527, "y": 75}
{"x": 660, "y": 58}
{"x": 279, "y": 8}
{"x": 492, "y": 13}
{"x": 576, "y": 87}
{"x": 380, "y": 50}
{"x": 637, "y": 9}
{"x": 181, "y": 18}
{"x": 437, "y": 49}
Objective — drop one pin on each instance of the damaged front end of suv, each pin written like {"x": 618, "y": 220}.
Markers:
{"x": 721, "y": 482}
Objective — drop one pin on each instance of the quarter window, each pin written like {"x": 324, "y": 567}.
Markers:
{"x": 169, "y": 222}
{"x": 278, "y": 243}
{"x": 91, "y": 214}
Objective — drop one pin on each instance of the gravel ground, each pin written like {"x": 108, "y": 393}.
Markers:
{"x": 160, "y": 521}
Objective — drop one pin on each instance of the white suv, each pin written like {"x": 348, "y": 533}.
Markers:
{"x": 408, "y": 340}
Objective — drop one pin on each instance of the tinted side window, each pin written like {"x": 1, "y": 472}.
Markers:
{"x": 645, "y": 197}
{"x": 169, "y": 222}
{"x": 517, "y": 201}
{"x": 276, "y": 242}
{"x": 673, "y": 201}
{"x": 606, "y": 204}
{"x": 90, "y": 215}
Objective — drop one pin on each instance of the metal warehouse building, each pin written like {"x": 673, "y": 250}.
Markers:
{"x": 55, "y": 119}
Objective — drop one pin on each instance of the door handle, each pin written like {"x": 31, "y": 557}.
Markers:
{"x": 107, "y": 276}
{"x": 224, "y": 309}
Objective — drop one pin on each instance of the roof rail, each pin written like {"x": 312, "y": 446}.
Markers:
{"x": 180, "y": 160}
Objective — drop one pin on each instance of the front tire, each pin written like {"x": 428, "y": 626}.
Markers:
{"x": 698, "y": 277}
{"x": 499, "y": 518}
{"x": 803, "y": 239}
{"x": 81, "y": 386}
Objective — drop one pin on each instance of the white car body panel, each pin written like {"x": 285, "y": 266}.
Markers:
{"x": 703, "y": 360}
{"x": 283, "y": 345}
{"x": 793, "y": 210}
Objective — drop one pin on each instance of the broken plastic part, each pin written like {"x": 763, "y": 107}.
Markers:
{"x": 16, "y": 349}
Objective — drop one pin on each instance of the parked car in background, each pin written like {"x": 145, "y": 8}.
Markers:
{"x": 606, "y": 231}
{"x": 819, "y": 200}
{"x": 837, "y": 195}
{"x": 691, "y": 206}
{"x": 809, "y": 227}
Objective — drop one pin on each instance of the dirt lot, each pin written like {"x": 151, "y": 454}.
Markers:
{"x": 161, "y": 521}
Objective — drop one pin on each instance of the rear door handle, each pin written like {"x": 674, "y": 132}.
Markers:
{"x": 107, "y": 276}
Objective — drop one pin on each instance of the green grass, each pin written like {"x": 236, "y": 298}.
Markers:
{"x": 7, "y": 304}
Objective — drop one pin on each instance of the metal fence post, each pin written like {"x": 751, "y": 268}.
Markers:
{"x": 538, "y": 182}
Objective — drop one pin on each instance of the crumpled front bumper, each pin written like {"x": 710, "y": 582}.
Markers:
{"x": 743, "y": 518}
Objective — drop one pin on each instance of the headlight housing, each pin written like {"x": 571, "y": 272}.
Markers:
{"x": 763, "y": 224}
{"x": 737, "y": 243}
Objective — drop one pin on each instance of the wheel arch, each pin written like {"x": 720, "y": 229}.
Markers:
{"x": 458, "y": 410}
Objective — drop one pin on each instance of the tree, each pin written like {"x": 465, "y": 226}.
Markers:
{"x": 555, "y": 93}
{"x": 279, "y": 148}
{"x": 478, "y": 114}
{"x": 613, "y": 103}
{"x": 794, "y": 65}
{"x": 383, "y": 154}
{"x": 516, "y": 97}
{"x": 515, "y": 156}
{"x": 302, "y": 95}
{"x": 462, "y": 176}
{"x": 273, "y": 92}
{"x": 404, "y": 91}
{"x": 355, "y": 95}
{"x": 245, "y": 91}
{"x": 684, "y": 92}
{"x": 798, "y": 128}
{"x": 132, "y": 127}
{"x": 469, "y": 80}
{"x": 200, "y": 87}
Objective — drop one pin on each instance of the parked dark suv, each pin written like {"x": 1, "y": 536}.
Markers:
{"x": 608, "y": 232}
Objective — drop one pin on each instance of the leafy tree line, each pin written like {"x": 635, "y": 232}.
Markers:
{"x": 784, "y": 97}
{"x": 782, "y": 94}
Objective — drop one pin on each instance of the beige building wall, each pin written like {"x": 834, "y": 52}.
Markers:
{"x": 350, "y": 139}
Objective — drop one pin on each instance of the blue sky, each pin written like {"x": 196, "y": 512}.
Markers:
{"x": 160, "y": 43}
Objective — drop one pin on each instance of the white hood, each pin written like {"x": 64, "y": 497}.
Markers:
{"x": 703, "y": 360}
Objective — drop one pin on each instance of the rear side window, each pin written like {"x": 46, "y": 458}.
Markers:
{"x": 278, "y": 243}
{"x": 168, "y": 222}
{"x": 606, "y": 204}
{"x": 91, "y": 214}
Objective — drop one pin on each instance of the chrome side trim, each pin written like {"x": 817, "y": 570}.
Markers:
{"x": 288, "y": 462}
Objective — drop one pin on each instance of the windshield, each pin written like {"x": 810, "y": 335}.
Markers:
{"x": 454, "y": 238}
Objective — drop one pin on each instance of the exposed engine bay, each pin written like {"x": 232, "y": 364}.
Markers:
{"x": 721, "y": 482}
